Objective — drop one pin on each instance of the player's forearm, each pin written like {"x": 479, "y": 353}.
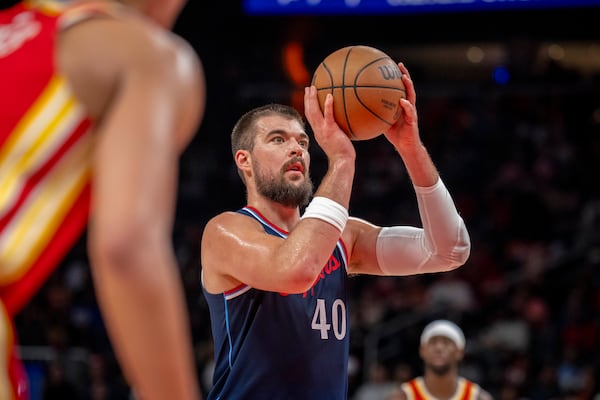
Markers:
{"x": 311, "y": 242}
{"x": 337, "y": 182}
{"x": 305, "y": 253}
{"x": 144, "y": 309}
{"x": 441, "y": 245}
{"x": 418, "y": 164}
{"x": 444, "y": 228}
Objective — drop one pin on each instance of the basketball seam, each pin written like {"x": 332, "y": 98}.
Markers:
{"x": 326, "y": 68}
{"x": 355, "y": 86}
{"x": 350, "y": 130}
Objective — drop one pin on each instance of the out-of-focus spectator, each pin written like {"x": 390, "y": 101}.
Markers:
{"x": 378, "y": 384}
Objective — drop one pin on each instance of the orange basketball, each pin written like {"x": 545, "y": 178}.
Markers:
{"x": 366, "y": 86}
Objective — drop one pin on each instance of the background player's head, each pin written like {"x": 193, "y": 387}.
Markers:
{"x": 442, "y": 346}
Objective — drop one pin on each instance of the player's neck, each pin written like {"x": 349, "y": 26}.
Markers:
{"x": 281, "y": 216}
{"x": 441, "y": 387}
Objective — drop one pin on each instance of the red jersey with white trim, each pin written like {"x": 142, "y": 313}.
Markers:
{"x": 45, "y": 165}
{"x": 415, "y": 389}
{"x": 45, "y": 143}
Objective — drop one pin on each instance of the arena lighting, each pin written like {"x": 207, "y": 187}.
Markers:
{"x": 386, "y": 7}
{"x": 501, "y": 75}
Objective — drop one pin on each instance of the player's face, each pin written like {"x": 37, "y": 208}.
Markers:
{"x": 440, "y": 355}
{"x": 280, "y": 161}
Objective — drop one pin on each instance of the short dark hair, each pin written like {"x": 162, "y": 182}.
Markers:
{"x": 243, "y": 133}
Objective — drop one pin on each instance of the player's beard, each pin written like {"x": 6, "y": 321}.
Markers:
{"x": 280, "y": 190}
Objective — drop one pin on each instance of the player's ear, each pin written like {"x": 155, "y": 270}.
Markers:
{"x": 242, "y": 159}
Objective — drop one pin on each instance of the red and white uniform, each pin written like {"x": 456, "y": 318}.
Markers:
{"x": 415, "y": 389}
{"x": 45, "y": 165}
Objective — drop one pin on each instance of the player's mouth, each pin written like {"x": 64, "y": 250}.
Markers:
{"x": 296, "y": 166}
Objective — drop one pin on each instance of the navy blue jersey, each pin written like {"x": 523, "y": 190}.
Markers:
{"x": 270, "y": 345}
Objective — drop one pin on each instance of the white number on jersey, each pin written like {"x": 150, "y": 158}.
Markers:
{"x": 338, "y": 319}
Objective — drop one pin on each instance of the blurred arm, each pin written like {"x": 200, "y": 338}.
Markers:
{"x": 146, "y": 91}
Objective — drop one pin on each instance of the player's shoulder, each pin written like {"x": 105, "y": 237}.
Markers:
{"x": 484, "y": 394}
{"x": 228, "y": 217}
{"x": 227, "y": 223}
{"x": 107, "y": 21}
{"x": 399, "y": 393}
{"x": 76, "y": 11}
{"x": 127, "y": 45}
{"x": 121, "y": 39}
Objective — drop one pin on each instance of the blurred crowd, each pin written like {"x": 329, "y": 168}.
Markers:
{"x": 521, "y": 161}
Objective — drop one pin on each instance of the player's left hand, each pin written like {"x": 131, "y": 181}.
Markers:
{"x": 404, "y": 134}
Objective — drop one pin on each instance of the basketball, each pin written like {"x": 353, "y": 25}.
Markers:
{"x": 366, "y": 86}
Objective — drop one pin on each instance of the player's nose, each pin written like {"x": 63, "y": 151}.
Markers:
{"x": 296, "y": 149}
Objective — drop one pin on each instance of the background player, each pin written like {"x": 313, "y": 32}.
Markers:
{"x": 442, "y": 349}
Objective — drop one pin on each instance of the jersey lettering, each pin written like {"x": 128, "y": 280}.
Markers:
{"x": 330, "y": 266}
{"x": 22, "y": 28}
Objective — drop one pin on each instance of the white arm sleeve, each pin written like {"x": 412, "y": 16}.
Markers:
{"x": 441, "y": 245}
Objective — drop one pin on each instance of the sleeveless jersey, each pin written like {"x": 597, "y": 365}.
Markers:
{"x": 281, "y": 346}
{"x": 415, "y": 390}
{"x": 44, "y": 154}
{"x": 45, "y": 164}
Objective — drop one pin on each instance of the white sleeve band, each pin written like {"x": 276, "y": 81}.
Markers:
{"x": 327, "y": 210}
{"x": 441, "y": 245}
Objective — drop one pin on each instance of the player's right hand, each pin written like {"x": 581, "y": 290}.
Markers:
{"x": 330, "y": 137}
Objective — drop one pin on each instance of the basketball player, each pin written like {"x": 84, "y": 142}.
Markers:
{"x": 276, "y": 279}
{"x": 97, "y": 102}
{"x": 442, "y": 348}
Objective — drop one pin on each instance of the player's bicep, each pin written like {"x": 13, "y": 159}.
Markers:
{"x": 360, "y": 238}
{"x": 236, "y": 250}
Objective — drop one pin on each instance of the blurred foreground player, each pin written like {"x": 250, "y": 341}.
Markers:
{"x": 97, "y": 103}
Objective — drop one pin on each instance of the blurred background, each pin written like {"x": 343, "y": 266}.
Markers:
{"x": 509, "y": 104}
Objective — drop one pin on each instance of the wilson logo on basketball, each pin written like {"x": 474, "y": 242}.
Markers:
{"x": 389, "y": 72}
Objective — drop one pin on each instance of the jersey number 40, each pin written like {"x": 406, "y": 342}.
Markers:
{"x": 321, "y": 323}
